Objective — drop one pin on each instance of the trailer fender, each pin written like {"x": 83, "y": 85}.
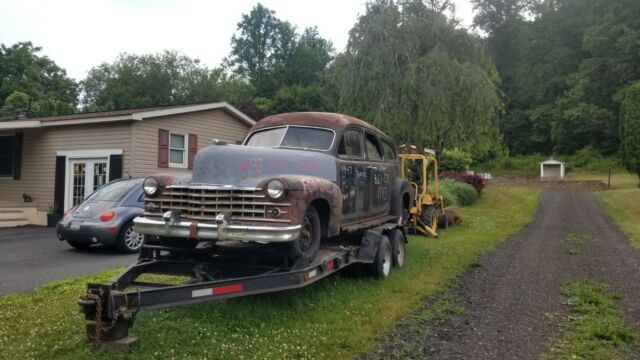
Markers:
{"x": 369, "y": 246}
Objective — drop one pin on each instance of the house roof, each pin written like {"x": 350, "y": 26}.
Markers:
{"x": 121, "y": 115}
{"x": 552, "y": 162}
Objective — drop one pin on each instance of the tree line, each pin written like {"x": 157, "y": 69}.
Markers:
{"x": 534, "y": 77}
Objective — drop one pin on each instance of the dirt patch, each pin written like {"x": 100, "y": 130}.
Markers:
{"x": 558, "y": 185}
{"x": 512, "y": 304}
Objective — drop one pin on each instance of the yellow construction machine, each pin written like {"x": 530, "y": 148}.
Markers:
{"x": 421, "y": 170}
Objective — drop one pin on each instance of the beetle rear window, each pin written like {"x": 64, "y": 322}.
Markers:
{"x": 114, "y": 191}
{"x": 294, "y": 137}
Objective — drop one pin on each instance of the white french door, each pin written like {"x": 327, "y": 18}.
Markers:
{"x": 85, "y": 175}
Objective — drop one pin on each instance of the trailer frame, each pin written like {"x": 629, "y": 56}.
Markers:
{"x": 215, "y": 273}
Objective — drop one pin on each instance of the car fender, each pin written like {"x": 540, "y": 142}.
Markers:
{"x": 304, "y": 190}
{"x": 400, "y": 187}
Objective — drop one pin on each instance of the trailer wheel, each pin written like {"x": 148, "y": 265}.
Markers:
{"x": 398, "y": 246}
{"x": 381, "y": 265}
{"x": 309, "y": 242}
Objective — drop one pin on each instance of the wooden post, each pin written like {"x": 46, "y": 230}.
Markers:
{"x": 609, "y": 181}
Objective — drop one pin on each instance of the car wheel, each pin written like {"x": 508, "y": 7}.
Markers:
{"x": 78, "y": 245}
{"x": 398, "y": 246}
{"x": 129, "y": 240}
{"x": 309, "y": 242}
{"x": 380, "y": 268}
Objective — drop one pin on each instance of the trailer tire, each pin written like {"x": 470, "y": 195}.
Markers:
{"x": 381, "y": 265}
{"x": 398, "y": 246}
{"x": 306, "y": 247}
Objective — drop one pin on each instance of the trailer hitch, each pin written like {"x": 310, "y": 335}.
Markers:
{"x": 108, "y": 317}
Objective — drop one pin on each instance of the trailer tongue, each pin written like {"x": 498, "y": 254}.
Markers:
{"x": 222, "y": 272}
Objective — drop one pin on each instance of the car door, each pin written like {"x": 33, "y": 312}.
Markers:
{"x": 378, "y": 176}
{"x": 352, "y": 174}
{"x": 392, "y": 166}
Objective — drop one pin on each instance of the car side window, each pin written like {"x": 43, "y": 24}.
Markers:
{"x": 389, "y": 152}
{"x": 351, "y": 144}
{"x": 374, "y": 152}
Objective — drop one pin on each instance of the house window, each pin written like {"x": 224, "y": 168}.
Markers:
{"x": 7, "y": 155}
{"x": 178, "y": 150}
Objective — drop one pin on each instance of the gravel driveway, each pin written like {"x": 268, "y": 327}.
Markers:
{"x": 31, "y": 256}
{"x": 512, "y": 300}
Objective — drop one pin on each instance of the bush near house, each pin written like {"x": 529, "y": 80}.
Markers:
{"x": 456, "y": 193}
{"x": 472, "y": 179}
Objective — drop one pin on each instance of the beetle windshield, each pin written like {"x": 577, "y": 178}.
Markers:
{"x": 114, "y": 191}
{"x": 293, "y": 137}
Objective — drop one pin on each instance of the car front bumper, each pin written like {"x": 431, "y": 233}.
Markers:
{"x": 219, "y": 231}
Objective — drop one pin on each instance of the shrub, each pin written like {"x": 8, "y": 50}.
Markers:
{"x": 472, "y": 179}
{"x": 457, "y": 193}
{"x": 455, "y": 160}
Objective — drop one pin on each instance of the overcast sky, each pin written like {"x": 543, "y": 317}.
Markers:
{"x": 80, "y": 34}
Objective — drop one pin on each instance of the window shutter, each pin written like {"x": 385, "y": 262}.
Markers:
{"x": 115, "y": 167}
{"x": 193, "y": 149}
{"x": 17, "y": 157}
{"x": 59, "y": 185}
{"x": 163, "y": 148}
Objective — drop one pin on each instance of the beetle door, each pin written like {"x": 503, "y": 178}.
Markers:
{"x": 352, "y": 175}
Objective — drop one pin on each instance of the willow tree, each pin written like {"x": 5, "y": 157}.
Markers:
{"x": 410, "y": 70}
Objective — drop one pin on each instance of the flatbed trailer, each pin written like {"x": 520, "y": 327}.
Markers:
{"x": 222, "y": 272}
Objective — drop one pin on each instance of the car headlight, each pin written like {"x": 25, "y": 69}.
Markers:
{"x": 275, "y": 189}
{"x": 150, "y": 186}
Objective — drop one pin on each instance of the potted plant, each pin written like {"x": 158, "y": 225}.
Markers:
{"x": 52, "y": 216}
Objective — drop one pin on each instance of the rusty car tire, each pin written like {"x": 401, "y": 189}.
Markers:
{"x": 398, "y": 246}
{"x": 381, "y": 266}
{"x": 307, "y": 245}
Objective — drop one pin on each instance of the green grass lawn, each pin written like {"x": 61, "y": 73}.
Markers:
{"x": 624, "y": 208}
{"x": 337, "y": 318}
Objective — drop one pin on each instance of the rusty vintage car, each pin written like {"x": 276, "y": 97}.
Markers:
{"x": 298, "y": 178}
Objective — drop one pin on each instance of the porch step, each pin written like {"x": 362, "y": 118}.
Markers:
{"x": 13, "y": 222}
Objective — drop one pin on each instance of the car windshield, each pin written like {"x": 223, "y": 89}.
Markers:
{"x": 292, "y": 136}
{"x": 114, "y": 191}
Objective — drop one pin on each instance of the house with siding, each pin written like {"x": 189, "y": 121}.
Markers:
{"x": 52, "y": 163}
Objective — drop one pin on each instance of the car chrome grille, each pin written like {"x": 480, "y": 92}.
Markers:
{"x": 204, "y": 203}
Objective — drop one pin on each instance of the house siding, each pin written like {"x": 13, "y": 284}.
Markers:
{"x": 207, "y": 125}
{"x": 39, "y": 156}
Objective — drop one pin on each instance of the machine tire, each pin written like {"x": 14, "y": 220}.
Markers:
{"x": 381, "y": 266}
{"x": 398, "y": 246}
{"x": 78, "y": 245}
{"x": 307, "y": 245}
{"x": 429, "y": 217}
{"x": 443, "y": 222}
{"x": 129, "y": 241}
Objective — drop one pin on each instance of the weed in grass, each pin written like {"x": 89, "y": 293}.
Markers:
{"x": 575, "y": 241}
{"x": 338, "y": 317}
{"x": 595, "y": 329}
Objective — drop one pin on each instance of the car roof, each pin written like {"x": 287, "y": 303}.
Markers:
{"x": 332, "y": 121}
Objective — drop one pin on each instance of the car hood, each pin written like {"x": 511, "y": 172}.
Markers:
{"x": 93, "y": 208}
{"x": 247, "y": 166}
